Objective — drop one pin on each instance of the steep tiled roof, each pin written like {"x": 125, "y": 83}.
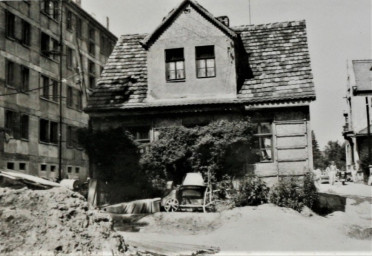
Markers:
{"x": 124, "y": 78}
{"x": 278, "y": 57}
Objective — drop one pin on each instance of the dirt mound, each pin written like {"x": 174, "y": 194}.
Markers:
{"x": 55, "y": 221}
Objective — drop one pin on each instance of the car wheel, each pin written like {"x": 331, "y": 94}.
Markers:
{"x": 171, "y": 205}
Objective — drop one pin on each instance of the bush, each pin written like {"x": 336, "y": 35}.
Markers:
{"x": 216, "y": 148}
{"x": 293, "y": 193}
{"x": 252, "y": 191}
{"x": 115, "y": 160}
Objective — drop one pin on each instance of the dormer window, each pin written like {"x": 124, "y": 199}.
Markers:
{"x": 205, "y": 61}
{"x": 175, "y": 64}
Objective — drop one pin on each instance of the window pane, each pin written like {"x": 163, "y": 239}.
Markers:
{"x": 10, "y": 73}
{"x": 53, "y": 132}
{"x": 43, "y": 130}
{"x": 264, "y": 128}
{"x": 24, "y": 127}
{"x": 180, "y": 74}
{"x": 55, "y": 90}
{"x": 267, "y": 142}
{"x": 69, "y": 97}
{"x": 210, "y": 72}
{"x": 171, "y": 66}
{"x": 25, "y": 79}
{"x": 200, "y": 64}
{"x": 171, "y": 75}
{"x": 210, "y": 63}
{"x": 179, "y": 65}
{"x": 45, "y": 89}
{"x": 201, "y": 72}
{"x": 266, "y": 154}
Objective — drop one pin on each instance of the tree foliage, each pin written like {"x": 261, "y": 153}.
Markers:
{"x": 115, "y": 157}
{"x": 222, "y": 147}
{"x": 318, "y": 158}
{"x": 334, "y": 151}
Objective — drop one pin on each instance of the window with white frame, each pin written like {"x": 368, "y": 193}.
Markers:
{"x": 205, "y": 61}
{"x": 175, "y": 64}
{"x": 265, "y": 141}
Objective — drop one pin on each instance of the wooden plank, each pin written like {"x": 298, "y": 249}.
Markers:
{"x": 288, "y": 141}
{"x": 290, "y": 154}
{"x": 290, "y": 128}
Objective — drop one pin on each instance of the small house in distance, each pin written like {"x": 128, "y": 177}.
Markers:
{"x": 195, "y": 68}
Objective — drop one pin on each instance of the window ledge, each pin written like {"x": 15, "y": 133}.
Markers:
{"x": 48, "y": 100}
{"x": 206, "y": 77}
{"x": 72, "y": 108}
{"x": 176, "y": 81}
{"x": 48, "y": 143}
{"x": 50, "y": 17}
{"x": 49, "y": 58}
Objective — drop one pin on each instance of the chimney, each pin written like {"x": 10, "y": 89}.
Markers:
{"x": 224, "y": 20}
{"x": 107, "y": 23}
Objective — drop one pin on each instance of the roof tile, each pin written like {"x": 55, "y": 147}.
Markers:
{"x": 278, "y": 56}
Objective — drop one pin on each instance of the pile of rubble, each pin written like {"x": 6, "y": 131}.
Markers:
{"x": 54, "y": 221}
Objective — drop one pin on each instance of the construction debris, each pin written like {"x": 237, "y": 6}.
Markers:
{"x": 15, "y": 178}
{"x": 54, "y": 221}
{"x": 135, "y": 207}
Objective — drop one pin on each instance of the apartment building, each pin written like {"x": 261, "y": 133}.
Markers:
{"x": 42, "y": 90}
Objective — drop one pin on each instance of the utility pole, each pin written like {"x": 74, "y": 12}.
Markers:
{"x": 250, "y": 13}
{"x": 368, "y": 133}
{"x": 60, "y": 90}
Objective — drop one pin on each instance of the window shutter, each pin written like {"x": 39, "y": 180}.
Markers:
{"x": 18, "y": 29}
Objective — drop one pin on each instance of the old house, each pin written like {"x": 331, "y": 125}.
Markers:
{"x": 195, "y": 68}
{"x": 34, "y": 101}
{"x": 358, "y": 98}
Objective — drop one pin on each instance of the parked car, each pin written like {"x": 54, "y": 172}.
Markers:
{"x": 192, "y": 195}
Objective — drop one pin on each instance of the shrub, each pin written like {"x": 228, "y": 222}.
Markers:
{"x": 294, "y": 193}
{"x": 252, "y": 191}
{"x": 216, "y": 148}
{"x": 115, "y": 160}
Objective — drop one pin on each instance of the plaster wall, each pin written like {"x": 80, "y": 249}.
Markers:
{"x": 188, "y": 31}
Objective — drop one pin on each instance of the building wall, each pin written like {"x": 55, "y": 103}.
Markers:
{"x": 356, "y": 121}
{"x": 28, "y": 155}
{"x": 291, "y": 134}
{"x": 188, "y": 31}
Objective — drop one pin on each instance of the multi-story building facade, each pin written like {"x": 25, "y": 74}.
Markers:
{"x": 42, "y": 89}
{"x": 195, "y": 68}
{"x": 355, "y": 130}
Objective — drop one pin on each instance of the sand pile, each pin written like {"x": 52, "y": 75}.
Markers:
{"x": 55, "y": 221}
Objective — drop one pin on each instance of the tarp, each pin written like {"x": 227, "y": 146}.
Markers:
{"x": 28, "y": 179}
{"x": 193, "y": 179}
{"x": 135, "y": 207}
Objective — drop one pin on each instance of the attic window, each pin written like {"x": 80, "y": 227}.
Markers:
{"x": 175, "y": 64}
{"x": 205, "y": 61}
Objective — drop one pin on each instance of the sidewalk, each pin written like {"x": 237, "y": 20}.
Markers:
{"x": 349, "y": 189}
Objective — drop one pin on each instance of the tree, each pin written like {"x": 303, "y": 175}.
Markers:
{"x": 318, "y": 158}
{"x": 335, "y": 152}
{"x": 115, "y": 157}
{"x": 222, "y": 147}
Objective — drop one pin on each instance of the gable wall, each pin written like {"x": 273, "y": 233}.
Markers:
{"x": 187, "y": 31}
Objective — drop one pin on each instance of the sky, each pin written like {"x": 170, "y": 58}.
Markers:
{"x": 338, "y": 30}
